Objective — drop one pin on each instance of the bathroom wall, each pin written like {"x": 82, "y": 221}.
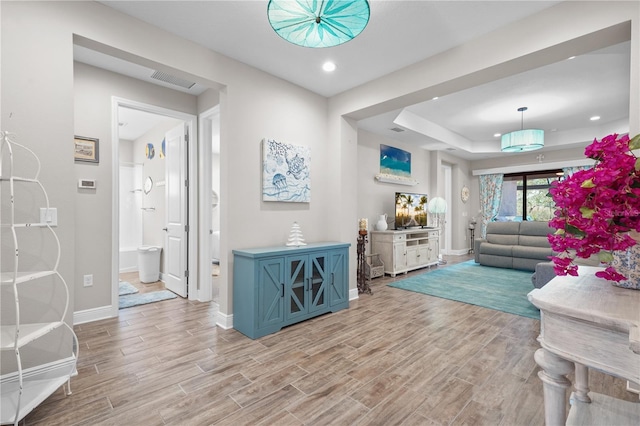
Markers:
{"x": 153, "y": 203}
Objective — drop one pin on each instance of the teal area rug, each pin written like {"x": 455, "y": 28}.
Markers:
{"x": 125, "y": 287}
{"x": 494, "y": 288}
{"x": 130, "y": 300}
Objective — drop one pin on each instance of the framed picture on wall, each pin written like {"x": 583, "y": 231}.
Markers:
{"x": 86, "y": 149}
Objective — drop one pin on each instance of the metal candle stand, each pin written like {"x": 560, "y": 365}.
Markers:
{"x": 363, "y": 285}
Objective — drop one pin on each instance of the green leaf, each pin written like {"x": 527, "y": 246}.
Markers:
{"x": 574, "y": 231}
{"x": 587, "y": 212}
{"x": 637, "y": 166}
{"x": 588, "y": 184}
{"x": 605, "y": 257}
{"x": 634, "y": 143}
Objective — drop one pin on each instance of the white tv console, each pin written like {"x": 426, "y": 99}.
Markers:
{"x": 405, "y": 250}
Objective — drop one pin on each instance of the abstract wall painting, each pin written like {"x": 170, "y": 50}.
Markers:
{"x": 395, "y": 161}
{"x": 285, "y": 172}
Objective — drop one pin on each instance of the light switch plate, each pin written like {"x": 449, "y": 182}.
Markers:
{"x": 49, "y": 215}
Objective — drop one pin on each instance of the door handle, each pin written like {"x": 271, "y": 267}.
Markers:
{"x": 165, "y": 229}
{"x": 282, "y": 286}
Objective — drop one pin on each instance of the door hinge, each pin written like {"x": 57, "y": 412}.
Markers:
{"x": 186, "y": 228}
{"x": 186, "y": 137}
{"x": 186, "y": 183}
{"x": 186, "y": 273}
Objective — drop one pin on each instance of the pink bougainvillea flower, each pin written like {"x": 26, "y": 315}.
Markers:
{"x": 597, "y": 207}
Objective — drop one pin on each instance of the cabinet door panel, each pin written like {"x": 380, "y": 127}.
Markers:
{"x": 412, "y": 256}
{"x": 434, "y": 249}
{"x": 296, "y": 299}
{"x": 318, "y": 283}
{"x": 270, "y": 292}
{"x": 338, "y": 278}
{"x": 399, "y": 256}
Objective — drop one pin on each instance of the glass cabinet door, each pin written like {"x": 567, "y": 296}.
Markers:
{"x": 296, "y": 301}
{"x": 318, "y": 282}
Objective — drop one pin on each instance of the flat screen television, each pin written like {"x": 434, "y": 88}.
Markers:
{"x": 411, "y": 210}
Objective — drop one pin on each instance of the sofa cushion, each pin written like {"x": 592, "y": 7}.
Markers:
{"x": 525, "y": 264}
{"x": 527, "y": 252}
{"x": 496, "y": 261}
{"x": 534, "y": 234}
{"x": 532, "y": 227}
{"x": 497, "y": 249}
{"x": 503, "y": 232}
{"x": 533, "y": 241}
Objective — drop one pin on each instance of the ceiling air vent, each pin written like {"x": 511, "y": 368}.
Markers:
{"x": 171, "y": 79}
{"x": 397, "y": 129}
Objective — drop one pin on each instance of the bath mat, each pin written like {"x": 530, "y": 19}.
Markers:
{"x": 126, "y": 288}
{"x": 144, "y": 298}
{"x": 500, "y": 289}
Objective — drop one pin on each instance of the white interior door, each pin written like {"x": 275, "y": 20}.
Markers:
{"x": 175, "y": 258}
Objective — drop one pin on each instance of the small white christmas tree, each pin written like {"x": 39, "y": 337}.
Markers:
{"x": 295, "y": 236}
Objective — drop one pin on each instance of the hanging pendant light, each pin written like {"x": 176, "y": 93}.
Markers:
{"x": 523, "y": 139}
{"x": 318, "y": 23}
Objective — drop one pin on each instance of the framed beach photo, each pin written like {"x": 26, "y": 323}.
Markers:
{"x": 86, "y": 149}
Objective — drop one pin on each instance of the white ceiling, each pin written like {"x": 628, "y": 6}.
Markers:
{"x": 561, "y": 97}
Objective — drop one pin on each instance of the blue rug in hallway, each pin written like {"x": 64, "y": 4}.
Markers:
{"x": 500, "y": 289}
{"x": 125, "y": 287}
{"x": 144, "y": 298}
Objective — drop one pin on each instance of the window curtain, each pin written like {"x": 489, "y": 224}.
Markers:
{"x": 490, "y": 196}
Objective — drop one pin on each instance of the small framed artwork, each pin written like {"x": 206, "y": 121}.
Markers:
{"x": 86, "y": 149}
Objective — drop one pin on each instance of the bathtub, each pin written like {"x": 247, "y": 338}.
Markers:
{"x": 128, "y": 259}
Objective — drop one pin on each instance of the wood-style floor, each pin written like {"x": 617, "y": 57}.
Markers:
{"x": 395, "y": 357}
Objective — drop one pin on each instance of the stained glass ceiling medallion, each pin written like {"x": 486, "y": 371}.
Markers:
{"x": 318, "y": 23}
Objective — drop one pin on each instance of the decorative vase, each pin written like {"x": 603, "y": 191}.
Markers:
{"x": 628, "y": 264}
{"x": 381, "y": 224}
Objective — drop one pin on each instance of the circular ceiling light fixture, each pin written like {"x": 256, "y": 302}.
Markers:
{"x": 523, "y": 139}
{"x": 325, "y": 23}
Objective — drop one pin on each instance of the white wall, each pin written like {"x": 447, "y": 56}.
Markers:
{"x": 376, "y": 198}
{"x": 154, "y": 218}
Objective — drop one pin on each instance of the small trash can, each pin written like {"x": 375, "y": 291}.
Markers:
{"x": 149, "y": 263}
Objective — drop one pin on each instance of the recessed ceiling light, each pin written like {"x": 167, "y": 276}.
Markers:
{"x": 497, "y": 135}
{"x": 435, "y": 98}
{"x": 570, "y": 58}
{"x": 329, "y": 66}
{"x": 595, "y": 118}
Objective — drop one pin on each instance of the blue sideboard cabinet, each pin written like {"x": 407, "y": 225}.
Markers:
{"x": 279, "y": 286}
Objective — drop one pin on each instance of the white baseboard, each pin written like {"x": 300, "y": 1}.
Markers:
{"x": 460, "y": 252}
{"x": 93, "y": 314}
{"x": 353, "y": 294}
{"x": 130, "y": 269}
{"x": 224, "y": 321}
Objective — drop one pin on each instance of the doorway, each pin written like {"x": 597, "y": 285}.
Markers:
{"x": 210, "y": 249}
{"x": 140, "y": 197}
{"x": 445, "y": 243}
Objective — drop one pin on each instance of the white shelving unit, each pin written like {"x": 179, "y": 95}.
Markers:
{"x": 34, "y": 371}
{"x": 402, "y": 251}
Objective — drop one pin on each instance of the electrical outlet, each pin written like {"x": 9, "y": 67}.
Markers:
{"x": 88, "y": 280}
